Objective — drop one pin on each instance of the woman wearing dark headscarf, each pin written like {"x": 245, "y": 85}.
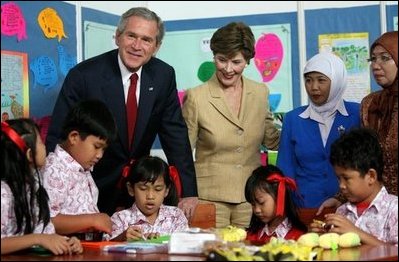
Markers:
{"x": 379, "y": 110}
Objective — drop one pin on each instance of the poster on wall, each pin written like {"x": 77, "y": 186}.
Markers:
{"x": 353, "y": 49}
{"x": 189, "y": 52}
{"x": 14, "y": 85}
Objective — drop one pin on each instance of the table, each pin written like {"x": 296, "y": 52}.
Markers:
{"x": 362, "y": 253}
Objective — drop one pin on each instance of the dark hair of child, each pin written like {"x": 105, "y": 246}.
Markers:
{"x": 359, "y": 150}
{"x": 16, "y": 171}
{"x": 90, "y": 117}
{"x": 147, "y": 169}
{"x": 258, "y": 180}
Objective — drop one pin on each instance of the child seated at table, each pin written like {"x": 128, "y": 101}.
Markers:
{"x": 274, "y": 211}
{"x": 73, "y": 194}
{"x": 25, "y": 215}
{"x": 370, "y": 212}
{"x": 152, "y": 184}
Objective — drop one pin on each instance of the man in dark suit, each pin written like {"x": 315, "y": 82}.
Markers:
{"x": 107, "y": 77}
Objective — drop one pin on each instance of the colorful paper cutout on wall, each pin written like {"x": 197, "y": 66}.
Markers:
{"x": 206, "y": 70}
{"x": 274, "y": 101}
{"x": 66, "y": 61}
{"x": 194, "y": 61}
{"x": 45, "y": 72}
{"x": 181, "y": 93}
{"x": 268, "y": 56}
{"x": 51, "y": 24}
{"x": 14, "y": 85}
{"x": 13, "y": 21}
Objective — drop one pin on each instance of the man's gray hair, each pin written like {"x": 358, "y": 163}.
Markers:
{"x": 145, "y": 13}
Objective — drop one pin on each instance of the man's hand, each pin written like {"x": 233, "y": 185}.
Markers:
{"x": 188, "y": 204}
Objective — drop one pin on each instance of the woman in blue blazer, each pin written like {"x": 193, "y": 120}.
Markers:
{"x": 308, "y": 131}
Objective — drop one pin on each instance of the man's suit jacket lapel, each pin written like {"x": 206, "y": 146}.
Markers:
{"x": 112, "y": 88}
{"x": 148, "y": 93}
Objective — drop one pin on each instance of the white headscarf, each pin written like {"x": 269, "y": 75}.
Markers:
{"x": 334, "y": 68}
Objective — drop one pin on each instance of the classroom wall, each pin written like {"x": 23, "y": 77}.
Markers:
{"x": 191, "y": 15}
{"x": 194, "y": 11}
{"x": 303, "y": 16}
{"x": 174, "y": 10}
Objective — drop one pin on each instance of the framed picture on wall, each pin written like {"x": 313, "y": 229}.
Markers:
{"x": 14, "y": 85}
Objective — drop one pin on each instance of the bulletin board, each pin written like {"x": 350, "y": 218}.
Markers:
{"x": 186, "y": 48}
{"x": 353, "y": 29}
{"x": 38, "y": 40}
{"x": 392, "y": 17}
{"x": 42, "y": 47}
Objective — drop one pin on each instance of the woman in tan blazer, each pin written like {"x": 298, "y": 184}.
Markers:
{"x": 228, "y": 119}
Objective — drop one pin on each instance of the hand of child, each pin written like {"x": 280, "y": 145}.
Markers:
{"x": 75, "y": 245}
{"x": 320, "y": 227}
{"x": 134, "y": 233}
{"x": 340, "y": 224}
{"x": 151, "y": 235}
{"x": 331, "y": 202}
{"x": 102, "y": 222}
{"x": 57, "y": 244}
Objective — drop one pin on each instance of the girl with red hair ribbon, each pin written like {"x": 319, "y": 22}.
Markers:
{"x": 25, "y": 213}
{"x": 274, "y": 211}
{"x": 155, "y": 187}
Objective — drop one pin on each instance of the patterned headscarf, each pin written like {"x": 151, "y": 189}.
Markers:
{"x": 382, "y": 105}
{"x": 334, "y": 68}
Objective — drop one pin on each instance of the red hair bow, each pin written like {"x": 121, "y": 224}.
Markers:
{"x": 14, "y": 137}
{"x": 174, "y": 176}
{"x": 283, "y": 183}
{"x": 125, "y": 173}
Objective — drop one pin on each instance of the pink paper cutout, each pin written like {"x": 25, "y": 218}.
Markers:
{"x": 181, "y": 96}
{"x": 268, "y": 56}
{"x": 13, "y": 21}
